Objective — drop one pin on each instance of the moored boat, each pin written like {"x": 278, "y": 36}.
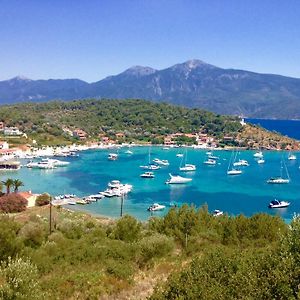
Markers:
{"x": 278, "y": 180}
{"x": 176, "y": 179}
{"x": 210, "y": 162}
{"x": 147, "y": 175}
{"x": 234, "y": 172}
{"x": 278, "y": 204}
{"x": 112, "y": 156}
{"x": 217, "y": 213}
{"x": 188, "y": 168}
{"x": 156, "y": 207}
{"x": 241, "y": 162}
{"x": 162, "y": 162}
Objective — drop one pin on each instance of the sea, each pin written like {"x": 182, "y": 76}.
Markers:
{"x": 247, "y": 194}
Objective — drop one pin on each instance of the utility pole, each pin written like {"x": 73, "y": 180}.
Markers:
{"x": 50, "y": 220}
{"x": 122, "y": 203}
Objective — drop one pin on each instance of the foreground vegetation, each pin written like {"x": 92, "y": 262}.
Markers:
{"x": 188, "y": 254}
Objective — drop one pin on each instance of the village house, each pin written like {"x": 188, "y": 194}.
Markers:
{"x": 168, "y": 140}
{"x": 30, "y": 197}
{"x": 120, "y": 135}
{"x": 79, "y": 133}
{"x": 13, "y": 131}
{"x": 4, "y": 145}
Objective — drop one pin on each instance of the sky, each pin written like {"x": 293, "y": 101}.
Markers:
{"x": 93, "y": 39}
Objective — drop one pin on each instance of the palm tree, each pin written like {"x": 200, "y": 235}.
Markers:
{"x": 17, "y": 183}
{"x": 8, "y": 183}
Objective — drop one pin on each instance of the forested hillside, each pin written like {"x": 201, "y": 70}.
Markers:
{"x": 138, "y": 119}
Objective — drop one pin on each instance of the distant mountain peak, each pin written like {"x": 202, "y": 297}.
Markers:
{"x": 192, "y": 64}
{"x": 139, "y": 71}
{"x": 19, "y": 78}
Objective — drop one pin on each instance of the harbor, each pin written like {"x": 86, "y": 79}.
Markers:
{"x": 90, "y": 172}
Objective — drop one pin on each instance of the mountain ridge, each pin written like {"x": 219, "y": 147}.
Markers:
{"x": 193, "y": 83}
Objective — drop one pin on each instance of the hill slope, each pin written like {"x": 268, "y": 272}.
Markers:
{"x": 192, "y": 84}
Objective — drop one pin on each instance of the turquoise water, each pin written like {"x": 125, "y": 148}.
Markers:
{"x": 247, "y": 193}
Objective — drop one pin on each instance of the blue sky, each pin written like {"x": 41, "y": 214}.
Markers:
{"x": 94, "y": 39}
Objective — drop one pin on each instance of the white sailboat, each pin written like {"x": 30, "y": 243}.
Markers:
{"x": 292, "y": 156}
{"x": 186, "y": 167}
{"x": 150, "y": 166}
{"x": 232, "y": 169}
{"x": 280, "y": 179}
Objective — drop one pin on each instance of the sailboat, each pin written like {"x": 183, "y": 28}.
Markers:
{"x": 241, "y": 162}
{"x": 186, "y": 167}
{"x": 150, "y": 166}
{"x": 280, "y": 179}
{"x": 232, "y": 169}
{"x": 292, "y": 156}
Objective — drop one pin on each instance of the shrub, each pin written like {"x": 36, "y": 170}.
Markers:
{"x": 127, "y": 229}
{"x": 157, "y": 245}
{"x": 19, "y": 280}
{"x": 12, "y": 203}
{"x": 43, "y": 199}
{"x": 9, "y": 244}
{"x": 33, "y": 234}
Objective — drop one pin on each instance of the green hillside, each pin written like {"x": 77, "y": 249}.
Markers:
{"x": 137, "y": 119}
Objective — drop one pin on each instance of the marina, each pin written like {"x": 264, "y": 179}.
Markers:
{"x": 91, "y": 171}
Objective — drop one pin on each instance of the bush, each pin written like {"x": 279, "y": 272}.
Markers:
{"x": 157, "y": 245}
{"x": 9, "y": 244}
{"x": 127, "y": 229}
{"x": 43, "y": 199}
{"x": 19, "y": 280}
{"x": 33, "y": 234}
{"x": 12, "y": 203}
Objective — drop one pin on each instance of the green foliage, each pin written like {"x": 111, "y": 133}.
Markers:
{"x": 19, "y": 280}
{"x": 154, "y": 246}
{"x": 43, "y": 199}
{"x": 9, "y": 244}
{"x": 138, "y": 119}
{"x": 127, "y": 229}
{"x": 209, "y": 257}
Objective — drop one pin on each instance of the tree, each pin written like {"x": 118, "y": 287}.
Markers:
{"x": 8, "y": 183}
{"x": 17, "y": 183}
{"x": 11, "y": 203}
{"x": 43, "y": 199}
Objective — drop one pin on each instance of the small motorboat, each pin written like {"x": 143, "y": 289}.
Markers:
{"x": 176, "y": 179}
{"x": 156, "y": 207}
{"x": 234, "y": 172}
{"x": 278, "y": 204}
{"x": 128, "y": 152}
{"x": 217, "y": 213}
{"x": 81, "y": 201}
{"x": 147, "y": 175}
{"x": 188, "y": 168}
{"x": 261, "y": 161}
{"x": 179, "y": 155}
{"x": 241, "y": 162}
{"x": 258, "y": 154}
{"x": 213, "y": 157}
{"x": 162, "y": 162}
{"x": 112, "y": 156}
{"x": 210, "y": 162}
{"x": 150, "y": 167}
{"x": 278, "y": 180}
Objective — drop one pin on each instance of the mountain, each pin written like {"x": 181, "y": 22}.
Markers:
{"x": 192, "y": 84}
